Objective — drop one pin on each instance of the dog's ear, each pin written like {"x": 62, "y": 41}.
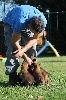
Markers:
{"x": 33, "y": 58}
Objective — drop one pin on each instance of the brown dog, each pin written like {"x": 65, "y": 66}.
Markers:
{"x": 44, "y": 73}
{"x": 38, "y": 75}
{"x": 33, "y": 74}
{"x": 25, "y": 77}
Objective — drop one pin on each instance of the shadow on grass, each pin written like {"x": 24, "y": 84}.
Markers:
{"x": 54, "y": 61}
{"x": 3, "y": 84}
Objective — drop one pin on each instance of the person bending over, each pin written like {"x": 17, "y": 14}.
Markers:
{"x": 24, "y": 22}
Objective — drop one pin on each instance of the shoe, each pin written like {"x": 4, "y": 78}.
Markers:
{"x": 12, "y": 79}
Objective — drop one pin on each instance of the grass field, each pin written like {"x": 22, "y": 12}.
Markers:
{"x": 55, "y": 90}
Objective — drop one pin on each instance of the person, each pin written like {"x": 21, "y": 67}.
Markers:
{"x": 24, "y": 22}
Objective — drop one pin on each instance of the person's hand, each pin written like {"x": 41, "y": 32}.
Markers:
{"x": 18, "y": 53}
{"x": 29, "y": 61}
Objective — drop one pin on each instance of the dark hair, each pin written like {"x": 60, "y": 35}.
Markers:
{"x": 36, "y": 23}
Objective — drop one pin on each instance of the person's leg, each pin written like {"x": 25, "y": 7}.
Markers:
{"x": 26, "y": 36}
{"x": 11, "y": 63}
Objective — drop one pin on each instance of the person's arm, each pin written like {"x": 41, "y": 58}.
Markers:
{"x": 15, "y": 43}
{"x": 29, "y": 61}
{"x": 19, "y": 53}
{"x": 15, "y": 39}
{"x": 33, "y": 40}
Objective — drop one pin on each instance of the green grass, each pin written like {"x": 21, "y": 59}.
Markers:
{"x": 55, "y": 90}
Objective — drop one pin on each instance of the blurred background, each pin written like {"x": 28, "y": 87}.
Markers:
{"x": 55, "y": 13}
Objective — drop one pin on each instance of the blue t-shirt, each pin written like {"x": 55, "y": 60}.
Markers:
{"x": 20, "y": 15}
